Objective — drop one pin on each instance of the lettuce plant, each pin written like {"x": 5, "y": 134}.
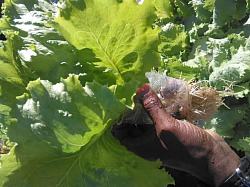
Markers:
{"x": 69, "y": 70}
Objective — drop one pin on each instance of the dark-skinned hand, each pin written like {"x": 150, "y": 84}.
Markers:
{"x": 178, "y": 144}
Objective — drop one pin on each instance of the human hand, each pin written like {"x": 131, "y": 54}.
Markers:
{"x": 178, "y": 144}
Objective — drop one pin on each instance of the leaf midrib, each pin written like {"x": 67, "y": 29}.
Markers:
{"x": 97, "y": 41}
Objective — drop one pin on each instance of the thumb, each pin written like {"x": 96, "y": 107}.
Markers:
{"x": 154, "y": 107}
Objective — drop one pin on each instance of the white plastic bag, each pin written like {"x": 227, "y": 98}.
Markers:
{"x": 183, "y": 100}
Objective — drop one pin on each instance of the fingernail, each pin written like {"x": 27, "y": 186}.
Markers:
{"x": 141, "y": 92}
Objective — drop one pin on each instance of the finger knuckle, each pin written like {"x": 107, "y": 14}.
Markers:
{"x": 151, "y": 103}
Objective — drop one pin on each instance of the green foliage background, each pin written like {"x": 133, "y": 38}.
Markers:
{"x": 209, "y": 41}
{"x": 68, "y": 71}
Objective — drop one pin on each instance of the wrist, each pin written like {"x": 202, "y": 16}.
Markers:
{"x": 240, "y": 178}
{"x": 230, "y": 167}
{"x": 222, "y": 164}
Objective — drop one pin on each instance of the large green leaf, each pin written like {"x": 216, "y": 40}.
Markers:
{"x": 126, "y": 45}
{"x": 225, "y": 121}
{"x": 233, "y": 72}
{"x": 119, "y": 34}
{"x": 65, "y": 115}
{"x": 40, "y": 50}
{"x": 103, "y": 162}
{"x": 64, "y": 139}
